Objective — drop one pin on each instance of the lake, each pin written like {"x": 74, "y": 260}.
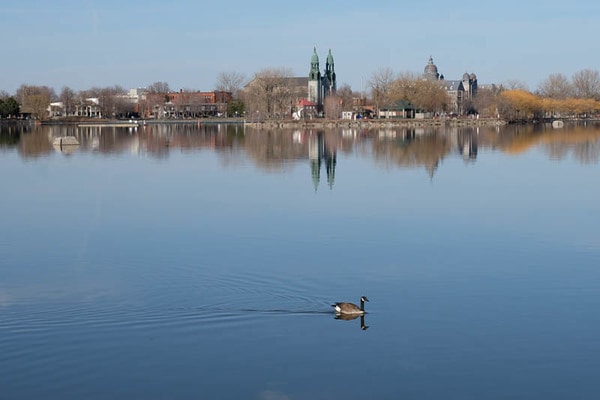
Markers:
{"x": 184, "y": 261}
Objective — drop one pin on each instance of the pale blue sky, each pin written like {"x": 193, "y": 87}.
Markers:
{"x": 85, "y": 43}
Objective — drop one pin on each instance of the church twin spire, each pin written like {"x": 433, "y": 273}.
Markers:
{"x": 321, "y": 86}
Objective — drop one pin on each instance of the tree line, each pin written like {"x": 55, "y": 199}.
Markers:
{"x": 556, "y": 95}
{"x": 271, "y": 93}
{"x": 35, "y": 100}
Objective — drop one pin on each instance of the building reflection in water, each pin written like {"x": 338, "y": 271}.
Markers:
{"x": 318, "y": 154}
{"x": 278, "y": 149}
{"x": 466, "y": 141}
{"x": 412, "y": 147}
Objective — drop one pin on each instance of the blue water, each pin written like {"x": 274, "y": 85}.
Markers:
{"x": 201, "y": 262}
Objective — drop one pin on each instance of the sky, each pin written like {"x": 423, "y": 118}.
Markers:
{"x": 97, "y": 43}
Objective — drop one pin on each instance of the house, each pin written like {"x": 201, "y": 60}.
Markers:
{"x": 349, "y": 115}
{"x": 305, "y": 109}
{"x": 400, "y": 109}
{"x": 56, "y": 109}
{"x": 184, "y": 104}
{"x": 90, "y": 108}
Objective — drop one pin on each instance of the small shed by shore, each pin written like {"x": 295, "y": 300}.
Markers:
{"x": 400, "y": 109}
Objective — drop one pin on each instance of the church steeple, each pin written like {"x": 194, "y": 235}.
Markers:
{"x": 314, "y": 66}
{"x": 314, "y": 80}
{"x": 330, "y": 75}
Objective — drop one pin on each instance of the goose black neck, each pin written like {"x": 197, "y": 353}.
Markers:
{"x": 362, "y": 305}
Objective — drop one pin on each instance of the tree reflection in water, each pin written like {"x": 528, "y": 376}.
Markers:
{"x": 281, "y": 149}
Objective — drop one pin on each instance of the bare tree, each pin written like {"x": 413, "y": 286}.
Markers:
{"x": 346, "y": 95}
{"x": 35, "y": 100}
{"x": 556, "y": 86}
{"x": 68, "y": 98}
{"x": 112, "y": 101}
{"x": 270, "y": 94}
{"x": 37, "y": 105}
{"x": 405, "y": 87}
{"x": 514, "y": 84}
{"x": 427, "y": 95}
{"x": 27, "y": 90}
{"x": 333, "y": 107}
{"x": 586, "y": 84}
{"x": 231, "y": 82}
{"x": 431, "y": 96}
{"x": 486, "y": 101}
{"x": 381, "y": 84}
{"x": 159, "y": 88}
{"x": 89, "y": 93}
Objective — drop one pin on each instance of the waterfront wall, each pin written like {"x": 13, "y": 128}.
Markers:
{"x": 377, "y": 123}
{"x": 308, "y": 123}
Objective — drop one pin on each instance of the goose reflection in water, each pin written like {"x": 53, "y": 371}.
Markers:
{"x": 350, "y": 317}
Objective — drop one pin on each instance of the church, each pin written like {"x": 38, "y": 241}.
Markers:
{"x": 298, "y": 97}
{"x": 321, "y": 86}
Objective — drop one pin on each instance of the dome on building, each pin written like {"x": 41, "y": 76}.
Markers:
{"x": 431, "y": 70}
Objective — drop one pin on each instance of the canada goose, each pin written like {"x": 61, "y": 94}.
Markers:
{"x": 350, "y": 308}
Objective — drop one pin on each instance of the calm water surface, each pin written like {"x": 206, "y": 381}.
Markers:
{"x": 185, "y": 261}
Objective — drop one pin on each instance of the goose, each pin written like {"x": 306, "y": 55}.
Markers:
{"x": 350, "y": 308}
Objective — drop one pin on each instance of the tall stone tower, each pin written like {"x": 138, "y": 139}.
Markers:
{"x": 314, "y": 80}
{"x": 469, "y": 82}
{"x": 329, "y": 83}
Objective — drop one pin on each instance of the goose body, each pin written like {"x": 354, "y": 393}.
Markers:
{"x": 350, "y": 308}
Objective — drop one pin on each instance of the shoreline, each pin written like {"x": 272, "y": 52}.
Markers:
{"x": 318, "y": 123}
{"x": 378, "y": 123}
{"x": 289, "y": 123}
